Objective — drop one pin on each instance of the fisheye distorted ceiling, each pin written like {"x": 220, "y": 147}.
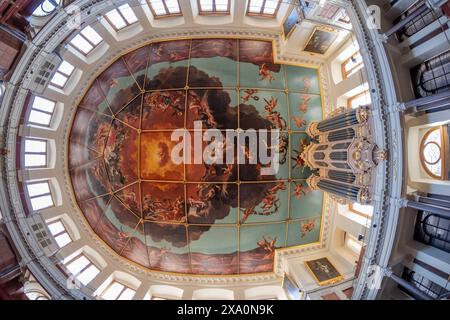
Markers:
{"x": 195, "y": 218}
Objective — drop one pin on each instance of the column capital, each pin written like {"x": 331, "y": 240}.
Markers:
{"x": 398, "y": 107}
{"x": 400, "y": 202}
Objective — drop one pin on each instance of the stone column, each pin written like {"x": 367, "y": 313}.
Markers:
{"x": 407, "y": 285}
{"x": 432, "y": 208}
{"x": 431, "y": 103}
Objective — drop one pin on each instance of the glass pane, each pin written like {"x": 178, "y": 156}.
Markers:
{"x": 35, "y": 160}
{"x": 78, "y": 264}
{"x": 352, "y": 243}
{"x": 128, "y": 14}
{"x": 128, "y": 294}
{"x": 81, "y": 44}
{"x": 41, "y": 202}
{"x": 35, "y": 189}
{"x": 113, "y": 291}
{"x": 63, "y": 240}
{"x": 206, "y": 5}
{"x": 222, "y": 5}
{"x": 56, "y": 227}
{"x": 432, "y": 153}
{"x": 59, "y": 79}
{"x": 172, "y": 6}
{"x": 88, "y": 275}
{"x": 91, "y": 35}
{"x": 66, "y": 68}
{"x": 116, "y": 19}
{"x": 40, "y": 118}
{"x": 361, "y": 100}
{"x": 35, "y": 146}
{"x": 158, "y": 7}
{"x": 43, "y": 104}
{"x": 364, "y": 209}
{"x": 270, "y": 6}
{"x": 255, "y": 6}
{"x": 434, "y": 136}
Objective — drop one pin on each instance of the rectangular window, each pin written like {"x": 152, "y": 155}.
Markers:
{"x": 121, "y": 17}
{"x": 62, "y": 74}
{"x": 365, "y": 211}
{"x": 59, "y": 232}
{"x": 82, "y": 269}
{"x": 86, "y": 40}
{"x": 268, "y": 8}
{"x": 164, "y": 8}
{"x": 214, "y": 6}
{"x": 361, "y": 99}
{"x": 35, "y": 153}
{"x": 352, "y": 65}
{"x": 352, "y": 243}
{"x": 40, "y": 195}
{"x": 41, "y": 112}
{"x": 118, "y": 291}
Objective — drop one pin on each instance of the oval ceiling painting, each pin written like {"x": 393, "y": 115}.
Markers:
{"x": 185, "y": 156}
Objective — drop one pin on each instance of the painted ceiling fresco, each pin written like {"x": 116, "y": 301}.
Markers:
{"x": 195, "y": 218}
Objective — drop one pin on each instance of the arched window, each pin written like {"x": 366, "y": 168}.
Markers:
{"x": 46, "y": 7}
{"x": 433, "y": 75}
{"x": 432, "y": 153}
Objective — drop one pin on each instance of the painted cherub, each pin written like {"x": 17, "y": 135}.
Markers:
{"x": 268, "y": 244}
{"x": 249, "y": 94}
{"x": 306, "y": 227}
{"x": 265, "y": 73}
{"x": 307, "y": 83}
{"x": 303, "y": 107}
{"x": 299, "y": 122}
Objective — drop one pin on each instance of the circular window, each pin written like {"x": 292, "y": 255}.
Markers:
{"x": 431, "y": 153}
{"x": 46, "y": 7}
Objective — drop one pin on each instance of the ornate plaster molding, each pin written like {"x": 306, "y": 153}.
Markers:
{"x": 49, "y": 40}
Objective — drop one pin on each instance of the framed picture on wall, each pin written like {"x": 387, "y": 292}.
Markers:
{"x": 321, "y": 40}
{"x": 291, "y": 288}
{"x": 323, "y": 271}
{"x": 291, "y": 22}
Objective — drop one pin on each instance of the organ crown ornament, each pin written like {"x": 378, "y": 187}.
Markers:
{"x": 343, "y": 155}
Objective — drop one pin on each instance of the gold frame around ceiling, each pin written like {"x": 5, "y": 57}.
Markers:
{"x": 286, "y": 249}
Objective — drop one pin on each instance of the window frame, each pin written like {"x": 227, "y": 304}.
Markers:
{"x": 261, "y": 13}
{"x": 63, "y": 74}
{"x": 349, "y": 237}
{"x": 125, "y": 287}
{"x": 64, "y": 231}
{"x": 45, "y": 13}
{"x": 127, "y": 24}
{"x": 347, "y": 73}
{"x": 168, "y": 14}
{"x": 45, "y": 153}
{"x": 91, "y": 263}
{"x": 359, "y": 213}
{"x": 214, "y": 12}
{"x": 32, "y": 108}
{"x": 94, "y": 46}
{"x": 442, "y": 150}
{"x": 351, "y": 99}
{"x": 49, "y": 193}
